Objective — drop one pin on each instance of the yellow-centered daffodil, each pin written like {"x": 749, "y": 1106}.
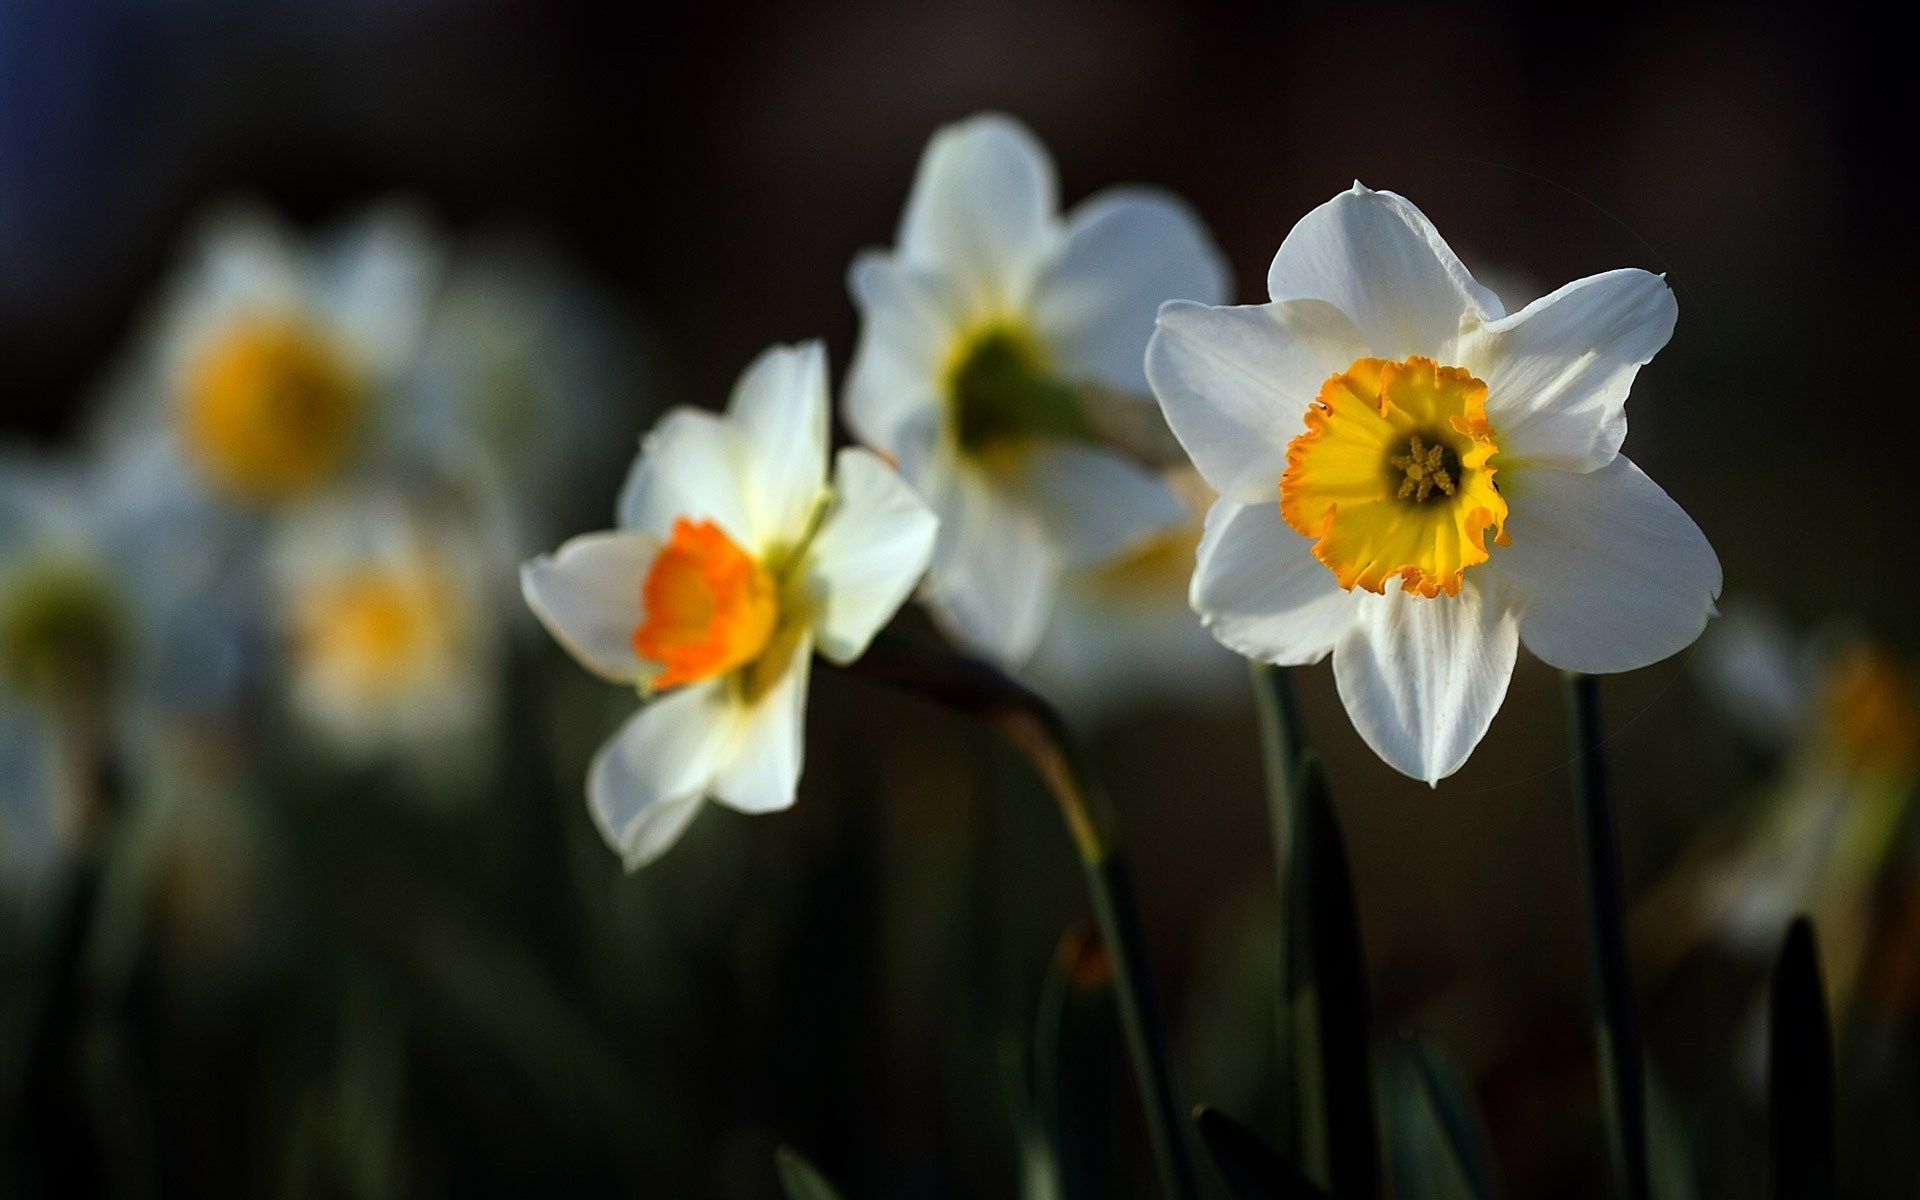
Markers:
{"x": 1416, "y": 482}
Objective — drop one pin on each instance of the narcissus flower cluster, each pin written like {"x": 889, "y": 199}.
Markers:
{"x": 1408, "y": 479}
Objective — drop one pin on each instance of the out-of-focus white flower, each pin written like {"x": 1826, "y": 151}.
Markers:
{"x": 276, "y": 372}
{"x": 68, "y": 634}
{"x": 734, "y": 559}
{"x": 1354, "y": 427}
{"x": 1122, "y": 636}
{"x": 390, "y": 633}
{"x": 273, "y": 367}
{"x": 1844, "y": 717}
{"x": 1000, "y": 352}
{"x": 536, "y": 371}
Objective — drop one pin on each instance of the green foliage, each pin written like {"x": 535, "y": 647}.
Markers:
{"x": 1800, "y": 1125}
{"x": 1329, "y": 1012}
{"x": 1248, "y": 1166}
{"x": 800, "y": 1179}
{"x": 1437, "y": 1149}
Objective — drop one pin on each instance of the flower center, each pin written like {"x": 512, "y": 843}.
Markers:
{"x": 376, "y": 629}
{"x": 59, "y": 623}
{"x": 708, "y": 607}
{"x": 1394, "y": 476}
{"x": 1001, "y": 395}
{"x": 271, "y": 409}
{"x": 1428, "y": 468}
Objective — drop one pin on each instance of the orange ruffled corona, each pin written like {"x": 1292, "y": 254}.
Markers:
{"x": 1394, "y": 476}
{"x": 708, "y": 607}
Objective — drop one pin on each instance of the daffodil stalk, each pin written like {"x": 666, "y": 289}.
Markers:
{"x": 1281, "y": 743}
{"x": 1622, "y": 1069}
{"x": 1037, "y": 730}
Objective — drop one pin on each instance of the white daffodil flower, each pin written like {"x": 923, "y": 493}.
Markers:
{"x": 391, "y": 640}
{"x": 271, "y": 366}
{"x": 999, "y": 358}
{"x": 1122, "y": 638}
{"x": 734, "y": 559}
{"x": 1355, "y": 428}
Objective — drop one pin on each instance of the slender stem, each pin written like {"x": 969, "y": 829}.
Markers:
{"x": 1033, "y": 726}
{"x": 1622, "y": 1067}
{"x": 1281, "y": 743}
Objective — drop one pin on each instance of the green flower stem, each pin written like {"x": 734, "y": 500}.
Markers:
{"x": 1282, "y": 741}
{"x": 1622, "y": 1067}
{"x": 979, "y": 691}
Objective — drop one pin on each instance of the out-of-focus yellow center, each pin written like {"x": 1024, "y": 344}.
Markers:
{"x": 1394, "y": 476}
{"x": 378, "y": 628}
{"x": 271, "y": 409}
{"x": 1150, "y": 571}
{"x": 708, "y": 608}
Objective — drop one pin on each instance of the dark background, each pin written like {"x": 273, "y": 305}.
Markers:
{"x": 716, "y": 167}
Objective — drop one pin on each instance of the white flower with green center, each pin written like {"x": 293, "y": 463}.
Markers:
{"x": 1416, "y": 483}
{"x": 734, "y": 559}
{"x": 69, "y": 638}
{"x": 1000, "y": 355}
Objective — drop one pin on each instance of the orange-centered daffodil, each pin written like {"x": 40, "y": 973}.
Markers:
{"x": 709, "y": 607}
{"x": 271, "y": 409}
{"x": 1394, "y": 476}
{"x": 736, "y": 558}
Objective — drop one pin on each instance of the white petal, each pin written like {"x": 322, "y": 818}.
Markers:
{"x": 1764, "y": 677}
{"x": 1092, "y": 502}
{"x": 1557, "y": 371}
{"x": 1616, "y": 574}
{"x": 587, "y": 594}
{"x": 1126, "y": 252}
{"x": 1113, "y": 649}
{"x": 1235, "y": 383}
{"x": 907, "y": 328}
{"x": 1422, "y": 678}
{"x": 780, "y": 409}
{"x": 245, "y": 259}
{"x": 982, "y": 209}
{"x": 1377, "y": 258}
{"x": 994, "y": 570}
{"x": 762, "y": 768}
{"x": 689, "y": 466}
{"x": 649, "y": 779}
{"x": 873, "y": 547}
{"x": 1258, "y": 587}
{"x": 381, "y": 277}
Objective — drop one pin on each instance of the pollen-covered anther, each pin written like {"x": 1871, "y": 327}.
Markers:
{"x": 1426, "y": 470}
